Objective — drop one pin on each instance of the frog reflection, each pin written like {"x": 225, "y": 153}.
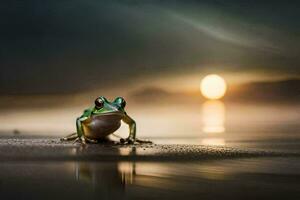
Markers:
{"x": 106, "y": 179}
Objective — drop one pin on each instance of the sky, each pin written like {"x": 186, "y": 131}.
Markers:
{"x": 65, "y": 47}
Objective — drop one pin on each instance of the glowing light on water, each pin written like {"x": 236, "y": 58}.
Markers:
{"x": 213, "y": 141}
{"x": 213, "y": 116}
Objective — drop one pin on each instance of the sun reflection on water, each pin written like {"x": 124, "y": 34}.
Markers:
{"x": 213, "y": 118}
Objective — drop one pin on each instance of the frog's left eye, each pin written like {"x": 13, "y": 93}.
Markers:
{"x": 99, "y": 103}
{"x": 120, "y": 101}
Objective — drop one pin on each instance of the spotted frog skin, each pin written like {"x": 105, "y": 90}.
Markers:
{"x": 102, "y": 119}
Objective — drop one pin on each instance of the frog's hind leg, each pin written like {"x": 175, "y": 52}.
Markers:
{"x": 72, "y": 136}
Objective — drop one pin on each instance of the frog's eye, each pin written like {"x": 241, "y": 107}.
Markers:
{"x": 99, "y": 103}
{"x": 120, "y": 101}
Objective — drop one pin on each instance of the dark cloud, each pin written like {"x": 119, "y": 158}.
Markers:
{"x": 69, "y": 46}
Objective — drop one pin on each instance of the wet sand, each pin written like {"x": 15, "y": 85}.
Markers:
{"x": 52, "y": 149}
{"x": 45, "y": 168}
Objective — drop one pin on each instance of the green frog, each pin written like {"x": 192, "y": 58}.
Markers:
{"x": 102, "y": 119}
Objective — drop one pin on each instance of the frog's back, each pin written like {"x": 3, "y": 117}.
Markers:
{"x": 100, "y": 126}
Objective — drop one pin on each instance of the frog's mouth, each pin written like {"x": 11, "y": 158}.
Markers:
{"x": 112, "y": 117}
{"x": 117, "y": 112}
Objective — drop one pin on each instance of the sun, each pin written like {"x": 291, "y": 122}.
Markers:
{"x": 213, "y": 86}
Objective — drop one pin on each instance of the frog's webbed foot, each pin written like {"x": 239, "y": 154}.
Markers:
{"x": 75, "y": 138}
{"x": 126, "y": 141}
{"x": 81, "y": 140}
{"x": 134, "y": 141}
{"x": 85, "y": 140}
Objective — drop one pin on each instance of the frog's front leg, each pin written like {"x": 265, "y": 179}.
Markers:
{"x": 132, "y": 131}
{"x": 132, "y": 128}
{"x": 79, "y": 128}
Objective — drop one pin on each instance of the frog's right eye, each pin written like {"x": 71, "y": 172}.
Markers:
{"x": 99, "y": 103}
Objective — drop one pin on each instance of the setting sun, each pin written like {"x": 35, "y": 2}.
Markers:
{"x": 213, "y": 86}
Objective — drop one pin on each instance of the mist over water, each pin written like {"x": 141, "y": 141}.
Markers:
{"x": 208, "y": 123}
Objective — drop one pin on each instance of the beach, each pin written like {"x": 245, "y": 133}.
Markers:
{"x": 45, "y": 168}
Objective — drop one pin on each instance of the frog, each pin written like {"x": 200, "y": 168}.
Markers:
{"x": 103, "y": 119}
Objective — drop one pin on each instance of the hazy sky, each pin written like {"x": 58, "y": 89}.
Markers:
{"x": 62, "y": 46}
